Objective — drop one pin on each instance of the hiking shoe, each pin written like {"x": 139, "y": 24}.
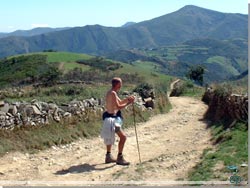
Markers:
{"x": 109, "y": 159}
{"x": 121, "y": 161}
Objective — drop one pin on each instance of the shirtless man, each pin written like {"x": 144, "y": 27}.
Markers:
{"x": 110, "y": 126}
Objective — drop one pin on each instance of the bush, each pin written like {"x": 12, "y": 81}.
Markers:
{"x": 145, "y": 90}
{"x": 223, "y": 90}
{"x": 27, "y": 70}
{"x": 196, "y": 74}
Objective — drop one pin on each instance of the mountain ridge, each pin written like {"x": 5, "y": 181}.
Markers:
{"x": 31, "y": 32}
{"x": 187, "y": 23}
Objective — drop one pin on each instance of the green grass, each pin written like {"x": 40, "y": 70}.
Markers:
{"x": 25, "y": 68}
{"x": 149, "y": 71}
{"x": 64, "y": 93}
{"x": 65, "y": 56}
{"x": 58, "y": 56}
{"x": 223, "y": 62}
{"x": 60, "y": 93}
{"x": 242, "y": 63}
{"x": 188, "y": 88}
{"x": 33, "y": 139}
{"x": 171, "y": 53}
{"x": 231, "y": 149}
{"x": 144, "y": 71}
{"x": 67, "y": 66}
{"x": 67, "y": 60}
{"x": 193, "y": 91}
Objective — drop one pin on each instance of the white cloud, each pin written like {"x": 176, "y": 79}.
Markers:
{"x": 39, "y": 25}
{"x": 11, "y": 27}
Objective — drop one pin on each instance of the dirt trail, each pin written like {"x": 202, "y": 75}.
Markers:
{"x": 170, "y": 145}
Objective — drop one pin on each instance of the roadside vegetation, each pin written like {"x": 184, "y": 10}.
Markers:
{"x": 231, "y": 147}
{"x": 231, "y": 150}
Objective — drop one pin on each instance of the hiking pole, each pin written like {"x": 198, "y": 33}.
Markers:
{"x": 136, "y": 134}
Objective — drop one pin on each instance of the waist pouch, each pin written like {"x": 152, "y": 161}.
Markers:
{"x": 107, "y": 115}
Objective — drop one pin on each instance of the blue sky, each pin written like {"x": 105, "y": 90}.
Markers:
{"x": 28, "y": 14}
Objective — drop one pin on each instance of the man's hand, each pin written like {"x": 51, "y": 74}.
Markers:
{"x": 131, "y": 99}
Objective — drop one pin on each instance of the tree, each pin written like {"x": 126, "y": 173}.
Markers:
{"x": 196, "y": 74}
{"x": 50, "y": 77}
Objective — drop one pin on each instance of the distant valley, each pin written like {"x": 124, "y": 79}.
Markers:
{"x": 222, "y": 60}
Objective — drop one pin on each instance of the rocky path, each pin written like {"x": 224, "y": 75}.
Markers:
{"x": 170, "y": 145}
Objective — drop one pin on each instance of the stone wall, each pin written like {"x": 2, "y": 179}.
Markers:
{"x": 229, "y": 107}
{"x": 38, "y": 113}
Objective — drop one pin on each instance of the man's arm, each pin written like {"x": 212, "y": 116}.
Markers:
{"x": 121, "y": 103}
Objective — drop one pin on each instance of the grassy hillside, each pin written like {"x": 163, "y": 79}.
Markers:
{"x": 153, "y": 67}
{"x": 25, "y": 69}
{"x": 67, "y": 60}
{"x": 221, "y": 59}
{"x": 75, "y": 67}
{"x": 65, "y": 56}
{"x": 148, "y": 71}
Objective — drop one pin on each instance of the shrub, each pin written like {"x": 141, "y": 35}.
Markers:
{"x": 196, "y": 74}
{"x": 145, "y": 90}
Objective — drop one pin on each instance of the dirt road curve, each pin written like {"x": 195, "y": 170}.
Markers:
{"x": 170, "y": 145}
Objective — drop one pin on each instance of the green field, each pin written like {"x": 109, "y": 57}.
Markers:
{"x": 149, "y": 70}
{"x": 222, "y": 61}
{"x": 132, "y": 75}
{"x": 65, "y": 56}
{"x": 67, "y": 60}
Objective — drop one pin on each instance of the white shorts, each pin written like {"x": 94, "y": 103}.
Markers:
{"x": 108, "y": 131}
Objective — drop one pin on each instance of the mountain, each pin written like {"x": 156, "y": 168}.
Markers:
{"x": 2, "y": 34}
{"x": 221, "y": 59}
{"x": 128, "y": 24}
{"x": 190, "y": 22}
{"x": 32, "y": 32}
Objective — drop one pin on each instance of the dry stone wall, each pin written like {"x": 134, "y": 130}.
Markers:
{"x": 230, "y": 107}
{"x": 39, "y": 113}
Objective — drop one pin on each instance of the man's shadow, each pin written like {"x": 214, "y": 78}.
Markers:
{"x": 81, "y": 169}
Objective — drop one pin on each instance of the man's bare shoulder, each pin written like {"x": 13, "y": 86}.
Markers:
{"x": 111, "y": 92}
{"x": 111, "y": 95}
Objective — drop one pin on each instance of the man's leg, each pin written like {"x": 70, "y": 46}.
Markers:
{"x": 109, "y": 148}
{"x": 109, "y": 158}
{"x": 122, "y": 141}
{"x": 120, "y": 160}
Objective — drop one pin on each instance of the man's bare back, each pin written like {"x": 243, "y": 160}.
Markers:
{"x": 111, "y": 102}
